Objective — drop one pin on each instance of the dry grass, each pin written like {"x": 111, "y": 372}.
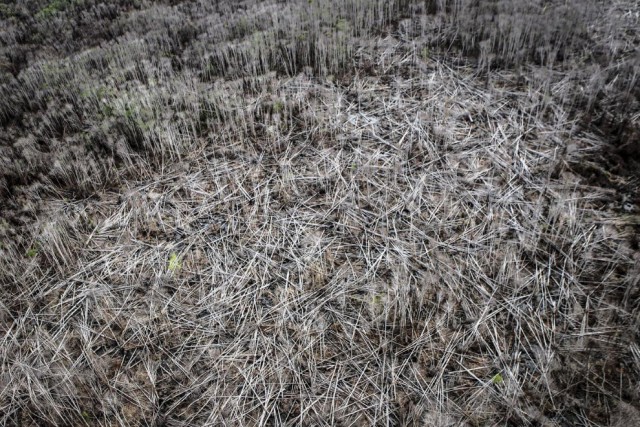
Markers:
{"x": 364, "y": 234}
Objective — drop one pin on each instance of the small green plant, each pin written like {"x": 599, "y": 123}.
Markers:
{"x": 86, "y": 416}
{"x": 175, "y": 263}
{"x": 32, "y": 252}
{"x": 278, "y": 106}
{"x": 497, "y": 379}
{"x": 424, "y": 53}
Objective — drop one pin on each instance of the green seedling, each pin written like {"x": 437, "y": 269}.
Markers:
{"x": 32, "y": 252}
{"x": 278, "y": 106}
{"x": 497, "y": 379}
{"x": 175, "y": 263}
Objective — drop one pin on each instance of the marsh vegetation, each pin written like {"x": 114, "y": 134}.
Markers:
{"x": 308, "y": 212}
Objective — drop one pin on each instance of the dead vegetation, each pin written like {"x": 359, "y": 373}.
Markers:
{"x": 319, "y": 213}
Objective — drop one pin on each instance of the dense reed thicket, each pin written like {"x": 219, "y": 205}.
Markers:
{"x": 308, "y": 212}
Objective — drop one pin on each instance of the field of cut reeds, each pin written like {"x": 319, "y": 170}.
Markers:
{"x": 320, "y": 213}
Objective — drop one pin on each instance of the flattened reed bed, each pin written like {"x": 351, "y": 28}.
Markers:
{"x": 372, "y": 237}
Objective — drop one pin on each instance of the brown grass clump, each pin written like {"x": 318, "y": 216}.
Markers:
{"x": 307, "y": 213}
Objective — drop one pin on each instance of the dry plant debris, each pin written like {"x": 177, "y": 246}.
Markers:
{"x": 312, "y": 213}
